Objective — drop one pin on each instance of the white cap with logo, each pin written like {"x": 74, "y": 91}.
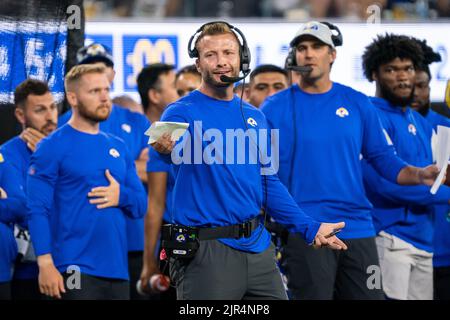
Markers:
{"x": 315, "y": 29}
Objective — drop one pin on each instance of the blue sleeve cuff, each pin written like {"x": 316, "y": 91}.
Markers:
{"x": 311, "y": 232}
{"x": 394, "y": 171}
{"x": 40, "y": 233}
{"x": 124, "y": 196}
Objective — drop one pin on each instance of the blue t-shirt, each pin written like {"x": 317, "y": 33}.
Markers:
{"x": 404, "y": 211}
{"x": 12, "y": 211}
{"x": 65, "y": 167}
{"x": 322, "y": 138}
{"x": 130, "y": 127}
{"x": 219, "y": 181}
{"x": 19, "y": 155}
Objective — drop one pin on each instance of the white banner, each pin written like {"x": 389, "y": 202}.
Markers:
{"x": 137, "y": 44}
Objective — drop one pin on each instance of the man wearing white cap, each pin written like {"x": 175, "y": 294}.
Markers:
{"x": 326, "y": 127}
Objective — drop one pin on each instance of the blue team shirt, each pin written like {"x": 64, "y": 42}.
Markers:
{"x": 19, "y": 155}
{"x": 12, "y": 211}
{"x": 208, "y": 193}
{"x": 441, "y": 255}
{"x": 130, "y": 127}
{"x": 320, "y": 163}
{"x": 65, "y": 167}
{"x": 405, "y": 211}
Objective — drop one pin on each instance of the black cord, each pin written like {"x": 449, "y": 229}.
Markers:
{"x": 260, "y": 156}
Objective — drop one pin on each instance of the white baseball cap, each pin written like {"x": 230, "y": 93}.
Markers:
{"x": 315, "y": 29}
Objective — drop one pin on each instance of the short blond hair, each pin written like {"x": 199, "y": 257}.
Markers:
{"x": 74, "y": 75}
{"x": 215, "y": 28}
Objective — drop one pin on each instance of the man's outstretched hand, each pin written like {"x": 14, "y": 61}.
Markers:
{"x": 324, "y": 237}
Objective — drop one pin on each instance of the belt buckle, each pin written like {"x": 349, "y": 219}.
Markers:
{"x": 245, "y": 229}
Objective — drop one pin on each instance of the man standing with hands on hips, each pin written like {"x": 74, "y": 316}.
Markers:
{"x": 219, "y": 198}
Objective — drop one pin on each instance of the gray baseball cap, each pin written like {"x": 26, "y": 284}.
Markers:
{"x": 315, "y": 29}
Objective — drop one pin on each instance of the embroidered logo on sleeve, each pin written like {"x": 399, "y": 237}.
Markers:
{"x": 126, "y": 127}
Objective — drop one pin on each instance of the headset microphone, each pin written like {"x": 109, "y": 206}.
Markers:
{"x": 228, "y": 79}
{"x": 301, "y": 69}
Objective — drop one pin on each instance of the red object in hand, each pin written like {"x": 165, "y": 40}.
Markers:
{"x": 159, "y": 282}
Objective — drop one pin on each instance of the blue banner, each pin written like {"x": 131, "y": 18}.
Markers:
{"x": 32, "y": 50}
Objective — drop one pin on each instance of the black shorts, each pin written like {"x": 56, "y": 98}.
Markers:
{"x": 325, "y": 274}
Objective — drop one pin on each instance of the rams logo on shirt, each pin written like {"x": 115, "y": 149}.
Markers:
{"x": 126, "y": 127}
{"x": 181, "y": 238}
{"x": 412, "y": 129}
{"x": 342, "y": 112}
{"x": 114, "y": 153}
{"x": 1, "y": 158}
{"x": 252, "y": 122}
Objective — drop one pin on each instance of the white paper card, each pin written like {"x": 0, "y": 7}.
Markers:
{"x": 158, "y": 128}
{"x": 442, "y": 155}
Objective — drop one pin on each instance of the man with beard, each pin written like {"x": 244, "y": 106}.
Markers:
{"x": 325, "y": 127}
{"x": 37, "y": 112}
{"x": 89, "y": 179}
{"x": 421, "y": 101}
{"x": 222, "y": 201}
{"x": 130, "y": 127}
{"x": 403, "y": 216}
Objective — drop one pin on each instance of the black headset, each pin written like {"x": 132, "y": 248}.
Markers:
{"x": 336, "y": 37}
{"x": 244, "y": 51}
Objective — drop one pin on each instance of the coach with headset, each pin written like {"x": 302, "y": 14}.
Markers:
{"x": 325, "y": 127}
{"x": 216, "y": 206}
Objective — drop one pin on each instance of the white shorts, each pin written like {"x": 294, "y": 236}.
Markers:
{"x": 407, "y": 272}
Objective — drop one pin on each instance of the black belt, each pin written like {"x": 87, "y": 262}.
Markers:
{"x": 235, "y": 231}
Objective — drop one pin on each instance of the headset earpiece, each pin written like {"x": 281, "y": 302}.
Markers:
{"x": 244, "y": 51}
{"x": 337, "y": 38}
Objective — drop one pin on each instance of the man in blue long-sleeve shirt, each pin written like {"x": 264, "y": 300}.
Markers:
{"x": 37, "y": 112}
{"x": 421, "y": 103}
{"x": 403, "y": 216}
{"x": 325, "y": 127}
{"x": 12, "y": 211}
{"x": 81, "y": 185}
{"x": 219, "y": 186}
{"x": 130, "y": 127}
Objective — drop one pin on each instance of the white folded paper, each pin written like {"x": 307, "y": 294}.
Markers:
{"x": 442, "y": 155}
{"x": 158, "y": 128}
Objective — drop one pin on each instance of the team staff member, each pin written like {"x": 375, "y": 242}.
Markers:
{"x": 187, "y": 80}
{"x": 130, "y": 127}
{"x": 325, "y": 127}
{"x": 403, "y": 216}
{"x": 156, "y": 89}
{"x": 421, "y": 102}
{"x": 37, "y": 112}
{"x": 12, "y": 210}
{"x": 266, "y": 80}
{"x": 211, "y": 195}
{"x": 90, "y": 180}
